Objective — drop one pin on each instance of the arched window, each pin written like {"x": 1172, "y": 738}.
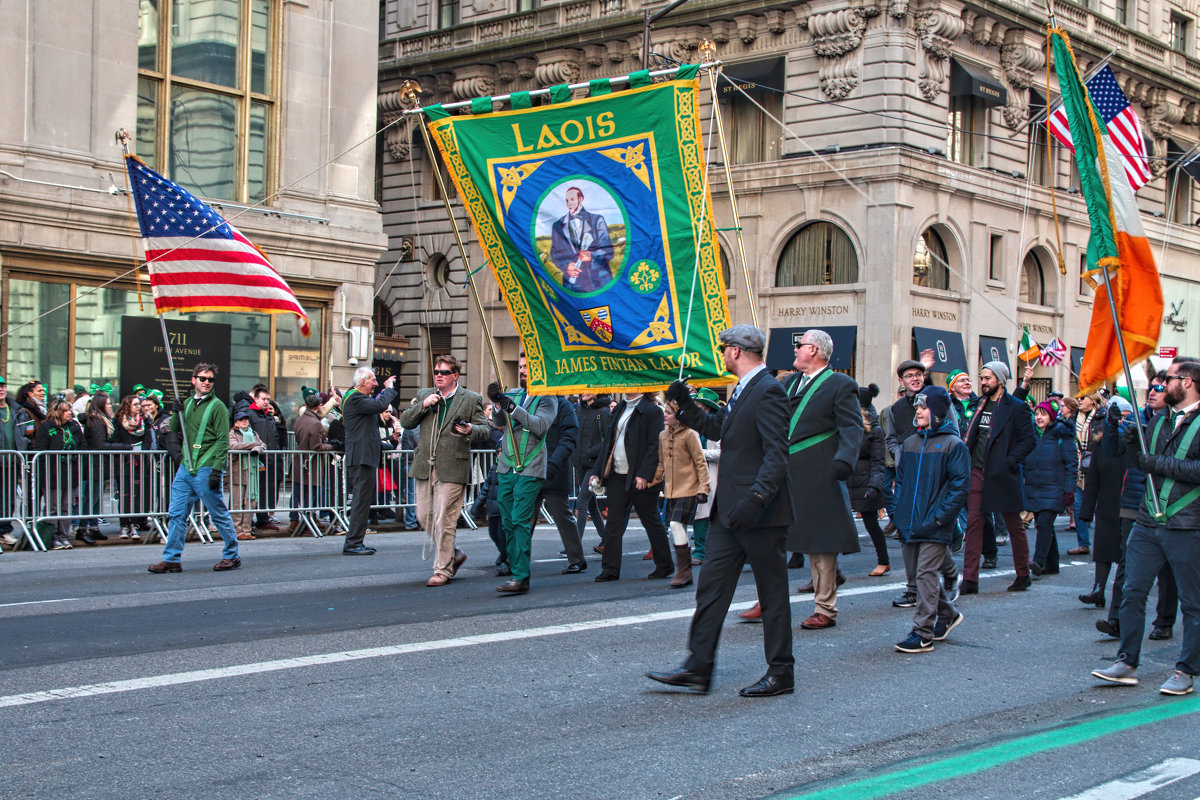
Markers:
{"x": 931, "y": 261}
{"x": 1033, "y": 280}
{"x": 819, "y": 254}
{"x": 726, "y": 274}
{"x": 384, "y": 325}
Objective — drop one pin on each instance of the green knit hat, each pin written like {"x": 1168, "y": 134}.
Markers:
{"x": 953, "y": 376}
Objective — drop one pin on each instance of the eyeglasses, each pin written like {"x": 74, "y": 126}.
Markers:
{"x": 725, "y": 347}
{"x": 805, "y": 344}
{"x": 1158, "y": 387}
{"x": 203, "y": 379}
{"x": 1170, "y": 378}
{"x": 443, "y": 372}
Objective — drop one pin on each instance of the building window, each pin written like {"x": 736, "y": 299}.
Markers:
{"x": 384, "y": 324}
{"x": 1085, "y": 289}
{"x": 1043, "y": 168}
{"x": 437, "y": 269}
{"x": 1177, "y": 196}
{"x": 448, "y": 13}
{"x": 1033, "y": 282}
{"x": 526, "y": 5}
{"x": 1181, "y": 33}
{"x": 931, "y": 261}
{"x": 819, "y": 254}
{"x": 996, "y": 258}
{"x": 726, "y": 274}
{"x": 440, "y": 344}
{"x": 753, "y": 136}
{"x": 206, "y": 94}
{"x": 1122, "y": 12}
{"x": 968, "y": 121}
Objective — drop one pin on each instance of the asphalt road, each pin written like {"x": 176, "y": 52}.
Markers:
{"x": 308, "y": 674}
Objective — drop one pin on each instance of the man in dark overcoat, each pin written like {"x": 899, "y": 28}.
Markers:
{"x": 824, "y": 433}
{"x": 363, "y": 452}
{"x": 750, "y": 515}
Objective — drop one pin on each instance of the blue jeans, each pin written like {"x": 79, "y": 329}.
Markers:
{"x": 889, "y": 478}
{"x": 185, "y": 490}
{"x": 1083, "y": 530}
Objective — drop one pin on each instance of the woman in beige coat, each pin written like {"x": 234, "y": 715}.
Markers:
{"x": 682, "y": 468}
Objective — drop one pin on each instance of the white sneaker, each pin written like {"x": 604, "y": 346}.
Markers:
{"x": 124, "y": 533}
{"x": 62, "y": 546}
{"x": 9, "y": 539}
{"x": 133, "y": 535}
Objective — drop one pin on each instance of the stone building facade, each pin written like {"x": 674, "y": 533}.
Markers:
{"x": 903, "y": 198}
{"x": 263, "y": 107}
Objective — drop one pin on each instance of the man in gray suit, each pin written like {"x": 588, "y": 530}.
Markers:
{"x": 451, "y": 418}
{"x": 363, "y": 451}
{"x": 750, "y": 515}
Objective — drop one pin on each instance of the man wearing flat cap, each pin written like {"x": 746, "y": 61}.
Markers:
{"x": 999, "y": 437}
{"x": 750, "y": 515}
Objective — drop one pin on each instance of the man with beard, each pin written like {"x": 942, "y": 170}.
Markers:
{"x": 525, "y": 420}
{"x": 750, "y": 515}
{"x": 1170, "y": 536}
{"x": 999, "y": 437}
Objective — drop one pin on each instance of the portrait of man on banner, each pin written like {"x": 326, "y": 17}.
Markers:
{"x": 581, "y": 255}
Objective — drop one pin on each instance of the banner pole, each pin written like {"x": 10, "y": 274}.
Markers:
{"x": 737, "y": 222}
{"x": 409, "y": 90}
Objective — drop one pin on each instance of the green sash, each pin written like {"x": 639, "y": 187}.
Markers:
{"x": 525, "y": 457}
{"x": 817, "y": 438}
{"x": 1169, "y": 483}
{"x": 190, "y": 459}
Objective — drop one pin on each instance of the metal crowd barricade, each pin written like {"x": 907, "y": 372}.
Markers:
{"x": 14, "y": 496}
{"x": 79, "y": 488}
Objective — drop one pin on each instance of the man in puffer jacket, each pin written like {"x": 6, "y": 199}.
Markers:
{"x": 933, "y": 476}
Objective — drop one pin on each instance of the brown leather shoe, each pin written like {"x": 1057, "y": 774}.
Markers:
{"x": 1082, "y": 550}
{"x": 513, "y": 587}
{"x": 292, "y": 526}
{"x": 806, "y": 588}
{"x": 269, "y": 526}
{"x": 818, "y": 621}
{"x": 164, "y": 567}
{"x": 245, "y": 537}
{"x": 649, "y": 555}
{"x": 226, "y": 564}
{"x": 751, "y": 614}
{"x": 437, "y": 580}
{"x": 460, "y": 558}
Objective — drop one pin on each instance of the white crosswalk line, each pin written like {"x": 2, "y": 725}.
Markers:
{"x": 1142, "y": 783}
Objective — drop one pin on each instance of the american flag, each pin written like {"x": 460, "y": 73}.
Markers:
{"x": 198, "y": 261}
{"x": 1120, "y": 120}
{"x": 1053, "y": 353}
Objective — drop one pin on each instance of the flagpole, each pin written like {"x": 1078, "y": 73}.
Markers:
{"x": 708, "y": 51}
{"x": 123, "y": 137}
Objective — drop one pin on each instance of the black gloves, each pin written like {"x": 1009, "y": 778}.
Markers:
{"x": 1114, "y": 415}
{"x": 214, "y": 480}
{"x": 745, "y": 511}
{"x": 1145, "y": 463}
{"x": 871, "y": 494}
{"x": 678, "y": 393}
{"x": 841, "y": 470}
{"x": 551, "y": 472}
{"x": 176, "y": 407}
{"x": 502, "y": 401}
{"x": 702, "y": 498}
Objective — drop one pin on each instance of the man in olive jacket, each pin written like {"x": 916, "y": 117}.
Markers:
{"x": 360, "y": 414}
{"x": 451, "y": 419}
{"x": 206, "y": 436}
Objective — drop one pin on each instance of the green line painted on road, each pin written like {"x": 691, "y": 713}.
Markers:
{"x": 987, "y": 757}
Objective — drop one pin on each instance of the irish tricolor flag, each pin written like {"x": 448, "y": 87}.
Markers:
{"x": 1118, "y": 242}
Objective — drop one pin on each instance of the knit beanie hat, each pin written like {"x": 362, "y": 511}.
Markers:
{"x": 954, "y": 375}
{"x": 999, "y": 369}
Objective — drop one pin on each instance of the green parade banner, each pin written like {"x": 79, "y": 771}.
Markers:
{"x": 595, "y": 217}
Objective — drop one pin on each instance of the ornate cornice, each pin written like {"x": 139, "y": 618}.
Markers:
{"x": 557, "y": 66}
{"x": 1019, "y": 60}
{"x": 936, "y": 30}
{"x": 836, "y": 38}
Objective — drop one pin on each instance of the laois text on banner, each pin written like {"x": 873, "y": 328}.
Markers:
{"x": 595, "y": 218}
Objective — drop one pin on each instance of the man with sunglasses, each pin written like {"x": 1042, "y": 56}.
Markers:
{"x": 1170, "y": 535}
{"x": 449, "y": 417}
{"x": 205, "y": 421}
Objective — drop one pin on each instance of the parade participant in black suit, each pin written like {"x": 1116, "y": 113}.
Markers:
{"x": 363, "y": 451}
{"x": 749, "y": 517}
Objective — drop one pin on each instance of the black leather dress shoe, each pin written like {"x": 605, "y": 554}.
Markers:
{"x": 1161, "y": 632}
{"x": 574, "y": 569}
{"x": 769, "y": 686}
{"x": 696, "y": 681}
{"x": 513, "y": 587}
{"x": 604, "y": 577}
{"x": 86, "y": 538}
{"x": 358, "y": 551}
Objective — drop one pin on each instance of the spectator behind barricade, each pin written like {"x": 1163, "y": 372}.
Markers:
{"x": 83, "y": 396}
{"x": 14, "y": 420}
{"x": 155, "y": 411}
{"x": 684, "y": 474}
{"x": 268, "y": 422}
{"x": 308, "y": 471}
{"x": 98, "y": 430}
{"x": 32, "y": 397}
{"x": 385, "y": 486}
{"x": 131, "y": 429}
{"x": 60, "y": 434}
{"x": 408, "y": 442}
{"x": 245, "y": 450}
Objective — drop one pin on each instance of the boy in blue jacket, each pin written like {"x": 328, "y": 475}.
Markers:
{"x": 933, "y": 476}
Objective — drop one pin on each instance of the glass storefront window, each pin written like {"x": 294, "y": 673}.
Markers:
{"x": 148, "y": 25}
{"x": 297, "y": 361}
{"x": 38, "y": 351}
{"x": 260, "y": 40}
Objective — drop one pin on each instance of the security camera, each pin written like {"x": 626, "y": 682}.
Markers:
{"x": 353, "y": 361}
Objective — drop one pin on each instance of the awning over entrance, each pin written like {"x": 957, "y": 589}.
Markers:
{"x": 756, "y": 78}
{"x": 947, "y": 346}
{"x": 782, "y": 344}
{"x": 993, "y": 348}
{"x": 969, "y": 80}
